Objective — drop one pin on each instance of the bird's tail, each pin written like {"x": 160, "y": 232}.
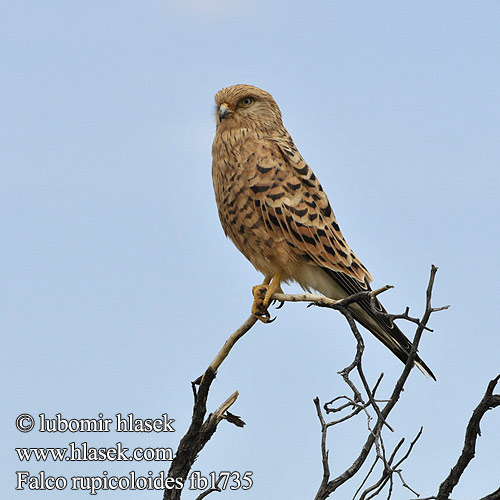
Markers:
{"x": 337, "y": 285}
{"x": 389, "y": 334}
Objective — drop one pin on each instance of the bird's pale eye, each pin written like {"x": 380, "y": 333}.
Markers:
{"x": 245, "y": 102}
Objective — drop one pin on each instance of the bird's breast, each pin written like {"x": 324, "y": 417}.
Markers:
{"x": 239, "y": 206}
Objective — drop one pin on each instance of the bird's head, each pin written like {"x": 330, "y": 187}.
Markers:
{"x": 246, "y": 106}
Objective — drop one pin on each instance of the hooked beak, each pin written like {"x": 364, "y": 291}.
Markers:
{"x": 224, "y": 111}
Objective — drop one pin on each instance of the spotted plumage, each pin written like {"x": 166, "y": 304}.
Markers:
{"x": 274, "y": 209}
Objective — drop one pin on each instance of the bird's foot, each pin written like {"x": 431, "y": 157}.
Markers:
{"x": 258, "y": 308}
{"x": 262, "y": 297}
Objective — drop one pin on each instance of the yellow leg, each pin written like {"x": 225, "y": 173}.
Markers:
{"x": 262, "y": 295}
{"x": 274, "y": 286}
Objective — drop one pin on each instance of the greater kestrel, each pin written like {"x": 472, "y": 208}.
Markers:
{"x": 275, "y": 211}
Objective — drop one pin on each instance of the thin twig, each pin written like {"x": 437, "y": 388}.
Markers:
{"x": 322, "y": 301}
{"x": 207, "y": 492}
{"x": 210, "y": 490}
{"x": 410, "y": 448}
{"x": 324, "y": 451}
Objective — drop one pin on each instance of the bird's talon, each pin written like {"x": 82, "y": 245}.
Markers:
{"x": 260, "y": 313}
{"x": 264, "y": 319}
{"x": 282, "y": 303}
{"x": 263, "y": 297}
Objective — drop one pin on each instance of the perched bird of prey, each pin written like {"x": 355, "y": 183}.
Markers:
{"x": 274, "y": 209}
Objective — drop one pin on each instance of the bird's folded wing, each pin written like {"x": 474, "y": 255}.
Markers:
{"x": 292, "y": 201}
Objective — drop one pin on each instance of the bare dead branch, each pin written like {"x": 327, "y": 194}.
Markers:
{"x": 202, "y": 428}
{"x": 357, "y": 408}
{"x": 373, "y": 439}
{"x": 406, "y": 315}
{"x": 229, "y": 344}
{"x": 207, "y": 492}
{"x": 324, "y": 451}
{"x": 200, "y": 431}
{"x": 410, "y": 448}
{"x": 388, "y": 471}
{"x": 210, "y": 490}
{"x": 367, "y": 476}
{"x": 404, "y": 483}
{"x": 195, "y": 438}
{"x": 473, "y": 430}
{"x": 322, "y": 301}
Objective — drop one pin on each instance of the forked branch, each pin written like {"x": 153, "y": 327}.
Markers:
{"x": 374, "y": 439}
{"x": 202, "y": 427}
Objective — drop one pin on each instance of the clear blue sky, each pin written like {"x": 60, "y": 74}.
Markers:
{"x": 118, "y": 285}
